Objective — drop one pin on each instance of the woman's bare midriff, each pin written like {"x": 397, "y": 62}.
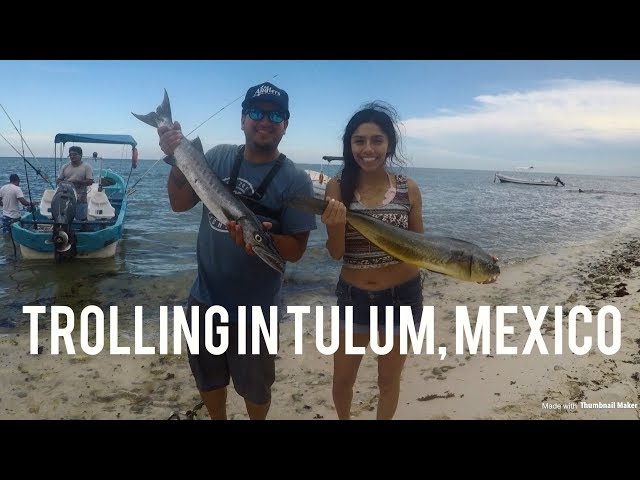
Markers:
{"x": 379, "y": 278}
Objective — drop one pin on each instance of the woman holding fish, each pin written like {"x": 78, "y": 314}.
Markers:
{"x": 370, "y": 276}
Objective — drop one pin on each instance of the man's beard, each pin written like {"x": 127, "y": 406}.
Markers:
{"x": 266, "y": 147}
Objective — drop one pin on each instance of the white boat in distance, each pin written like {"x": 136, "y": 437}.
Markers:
{"x": 320, "y": 179}
{"x": 549, "y": 183}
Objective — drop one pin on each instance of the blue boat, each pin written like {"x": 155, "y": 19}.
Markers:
{"x": 51, "y": 232}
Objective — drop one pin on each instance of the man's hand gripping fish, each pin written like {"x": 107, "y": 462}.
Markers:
{"x": 189, "y": 158}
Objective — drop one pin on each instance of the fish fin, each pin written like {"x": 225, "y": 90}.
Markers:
{"x": 170, "y": 159}
{"x": 197, "y": 144}
{"x": 149, "y": 118}
{"x": 163, "y": 112}
{"x": 308, "y": 204}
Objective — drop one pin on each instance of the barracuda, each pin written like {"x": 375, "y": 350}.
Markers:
{"x": 189, "y": 158}
{"x": 456, "y": 258}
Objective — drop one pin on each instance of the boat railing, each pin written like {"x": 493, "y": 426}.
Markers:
{"x": 102, "y": 222}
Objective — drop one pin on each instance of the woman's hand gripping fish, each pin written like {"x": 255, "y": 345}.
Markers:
{"x": 449, "y": 256}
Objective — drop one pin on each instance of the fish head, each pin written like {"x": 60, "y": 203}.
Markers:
{"x": 63, "y": 203}
{"x": 484, "y": 268}
{"x": 65, "y": 189}
{"x": 262, "y": 243}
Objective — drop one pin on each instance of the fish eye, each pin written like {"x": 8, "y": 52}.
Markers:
{"x": 257, "y": 238}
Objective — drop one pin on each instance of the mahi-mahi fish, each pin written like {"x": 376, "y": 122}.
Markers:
{"x": 189, "y": 158}
{"x": 450, "y": 256}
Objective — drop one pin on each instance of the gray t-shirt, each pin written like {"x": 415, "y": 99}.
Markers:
{"x": 70, "y": 173}
{"x": 227, "y": 276}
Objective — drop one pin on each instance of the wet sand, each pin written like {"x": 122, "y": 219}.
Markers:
{"x": 460, "y": 386}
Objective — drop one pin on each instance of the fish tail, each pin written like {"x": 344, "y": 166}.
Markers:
{"x": 308, "y": 204}
{"x": 162, "y": 115}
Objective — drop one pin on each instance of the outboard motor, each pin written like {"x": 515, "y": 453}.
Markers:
{"x": 63, "y": 211}
{"x": 557, "y": 180}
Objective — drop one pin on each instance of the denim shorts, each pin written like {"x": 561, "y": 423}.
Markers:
{"x": 252, "y": 374}
{"x": 408, "y": 293}
{"x": 81, "y": 211}
{"x": 6, "y": 224}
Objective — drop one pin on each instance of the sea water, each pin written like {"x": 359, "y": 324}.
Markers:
{"x": 155, "y": 263}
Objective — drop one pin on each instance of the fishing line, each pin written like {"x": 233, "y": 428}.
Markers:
{"x": 228, "y": 104}
{"x": 25, "y": 142}
{"x": 26, "y": 174}
{"x": 14, "y": 148}
{"x": 33, "y": 210}
{"x": 132, "y": 189}
{"x": 39, "y": 172}
{"x": 15, "y": 252}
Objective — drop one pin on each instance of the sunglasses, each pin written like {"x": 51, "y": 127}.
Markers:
{"x": 274, "y": 115}
{"x": 74, "y": 154}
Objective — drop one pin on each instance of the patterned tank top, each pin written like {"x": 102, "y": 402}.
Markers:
{"x": 360, "y": 252}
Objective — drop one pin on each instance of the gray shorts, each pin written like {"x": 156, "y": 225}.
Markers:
{"x": 252, "y": 374}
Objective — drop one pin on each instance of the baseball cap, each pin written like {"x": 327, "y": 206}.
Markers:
{"x": 267, "y": 92}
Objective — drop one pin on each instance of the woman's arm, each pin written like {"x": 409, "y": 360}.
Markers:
{"x": 415, "y": 213}
{"x": 335, "y": 218}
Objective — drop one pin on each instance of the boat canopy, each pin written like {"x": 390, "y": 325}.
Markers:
{"x": 95, "y": 138}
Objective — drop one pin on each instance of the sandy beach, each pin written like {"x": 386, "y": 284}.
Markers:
{"x": 566, "y": 385}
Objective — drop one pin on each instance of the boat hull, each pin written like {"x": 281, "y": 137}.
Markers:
{"x": 107, "y": 252}
{"x": 505, "y": 179}
{"x": 319, "y": 181}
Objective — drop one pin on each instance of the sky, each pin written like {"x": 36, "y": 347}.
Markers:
{"x": 559, "y": 116}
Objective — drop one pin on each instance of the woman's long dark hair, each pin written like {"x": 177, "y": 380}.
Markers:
{"x": 386, "y": 117}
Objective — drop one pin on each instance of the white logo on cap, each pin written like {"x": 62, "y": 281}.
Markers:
{"x": 265, "y": 90}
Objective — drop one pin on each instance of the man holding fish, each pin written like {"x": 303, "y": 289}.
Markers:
{"x": 240, "y": 260}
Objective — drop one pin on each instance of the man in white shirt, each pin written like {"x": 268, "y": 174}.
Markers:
{"x": 81, "y": 175}
{"x": 10, "y": 198}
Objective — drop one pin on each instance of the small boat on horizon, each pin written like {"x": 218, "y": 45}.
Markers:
{"x": 523, "y": 181}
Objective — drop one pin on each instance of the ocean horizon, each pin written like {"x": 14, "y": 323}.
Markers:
{"x": 156, "y": 263}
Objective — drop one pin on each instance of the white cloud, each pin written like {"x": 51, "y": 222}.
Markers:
{"x": 564, "y": 121}
{"x": 565, "y": 111}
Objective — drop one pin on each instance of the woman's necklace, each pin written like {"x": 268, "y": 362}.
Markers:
{"x": 374, "y": 195}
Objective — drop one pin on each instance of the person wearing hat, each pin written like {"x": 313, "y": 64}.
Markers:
{"x": 80, "y": 174}
{"x": 229, "y": 273}
{"x": 11, "y": 197}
